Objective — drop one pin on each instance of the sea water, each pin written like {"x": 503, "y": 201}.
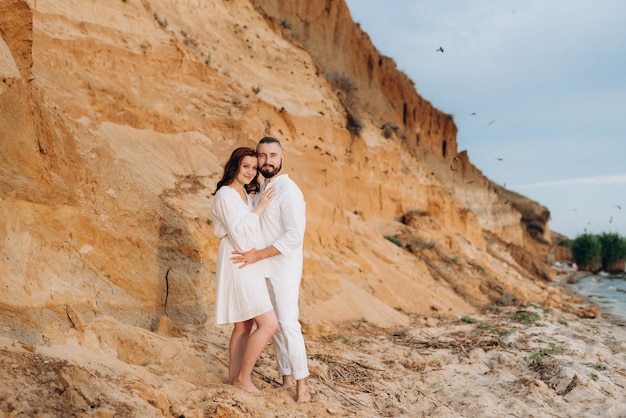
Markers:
{"x": 605, "y": 290}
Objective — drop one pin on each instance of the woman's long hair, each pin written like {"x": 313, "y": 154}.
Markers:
{"x": 232, "y": 168}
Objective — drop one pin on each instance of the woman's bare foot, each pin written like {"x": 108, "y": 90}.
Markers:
{"x": 248, "y": 387}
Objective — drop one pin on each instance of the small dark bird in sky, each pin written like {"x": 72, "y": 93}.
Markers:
{"x": 618, "y": 206}
{"x": 473, "y": 113}
{"x": 499, "y": 158}
{"x": 491, "y": 123}
{"x": 440, "y": 49}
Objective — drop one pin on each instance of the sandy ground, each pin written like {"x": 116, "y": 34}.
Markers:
{"x": 520, "y": 360}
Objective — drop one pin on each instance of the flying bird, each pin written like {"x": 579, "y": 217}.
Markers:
{"x": 440, "y": 49}
{"x": 618, "y": 206}
{"x": 491, "y": 123}
{"x": 473, "y": 113}
{"x": 499, "y": 158}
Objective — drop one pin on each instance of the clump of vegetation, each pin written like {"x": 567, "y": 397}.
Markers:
{"x": 417, "y": 244}
{"x": 394, "y": 240}
{"x": 256, "y": 90}
{"x": 494, "y": 334}
{"x": 501, "y": 332}
{"x": 412, "y": 217}
{"x": 161, "y": 22}
{"x": 188, "y": 39}
{"x": 599, "y": 367}
{"x": 349, "y": 98}
{"x": 360, "y": 323}
{"x": 284, "y": 23}
{"x": 338, "y": 337}
{"x": 599, "y": 252}
{"x": 613, "y": 252}
{"x": 493, "y": 309}
{"x": 506, "y": 300}
{"x": 468, "y": 319}
{"x": 526, "y": 317}
{"x": 537, "y": 358}
{"x": 354, "y": 124}
{"x": 587, "y": 252}
{"x": 477, "y": 266}
{"x": 389, "y": 128}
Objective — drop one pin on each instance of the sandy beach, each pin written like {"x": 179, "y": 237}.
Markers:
{"x": 520, "y": 360}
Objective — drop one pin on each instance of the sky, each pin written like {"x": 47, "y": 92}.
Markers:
{"x": 537, "y": 89}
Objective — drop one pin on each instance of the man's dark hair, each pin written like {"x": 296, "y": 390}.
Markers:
{"x": 269, "y": 140}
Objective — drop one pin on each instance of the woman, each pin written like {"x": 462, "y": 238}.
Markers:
{"x": 242, "y": 296}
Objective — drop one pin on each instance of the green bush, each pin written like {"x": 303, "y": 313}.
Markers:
{"x": 599, "y": 252}
{"x": 613, "y": 252}
{"x": 587, "y": 252}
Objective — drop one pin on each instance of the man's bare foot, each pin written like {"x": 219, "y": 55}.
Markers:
{"x": 248, "y": 387}
{"x": 287, "y": 383}
{"x": 302, "y": 393}
{"x": 304, "y": 397}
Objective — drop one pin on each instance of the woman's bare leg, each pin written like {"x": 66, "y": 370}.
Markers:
{"x": 266, "y": 327}
{"x": 237, "y": 347}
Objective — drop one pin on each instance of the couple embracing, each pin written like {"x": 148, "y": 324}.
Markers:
{"x": 259, "y": 264}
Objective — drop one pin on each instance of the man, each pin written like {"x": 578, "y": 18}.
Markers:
{"x": 282, "y": 227}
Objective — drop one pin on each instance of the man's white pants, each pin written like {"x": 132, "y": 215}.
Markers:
{"x": 288, "y": 340}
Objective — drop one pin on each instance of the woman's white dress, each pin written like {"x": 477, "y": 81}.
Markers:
{"x": 241, "y": 294}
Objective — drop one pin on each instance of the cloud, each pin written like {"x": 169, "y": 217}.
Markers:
{"x": 585, "y": 181}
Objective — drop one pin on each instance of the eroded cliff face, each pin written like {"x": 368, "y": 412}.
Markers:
{"x": 116, "y": 119}
{"x": 388, "y": 98}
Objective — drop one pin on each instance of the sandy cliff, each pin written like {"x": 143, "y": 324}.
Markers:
{"x": 116, "y": 118}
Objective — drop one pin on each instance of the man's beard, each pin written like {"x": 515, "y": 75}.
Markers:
{"x": 268, "y": 171}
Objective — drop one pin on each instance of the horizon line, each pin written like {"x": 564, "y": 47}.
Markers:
{"x": 619, "y": 179}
